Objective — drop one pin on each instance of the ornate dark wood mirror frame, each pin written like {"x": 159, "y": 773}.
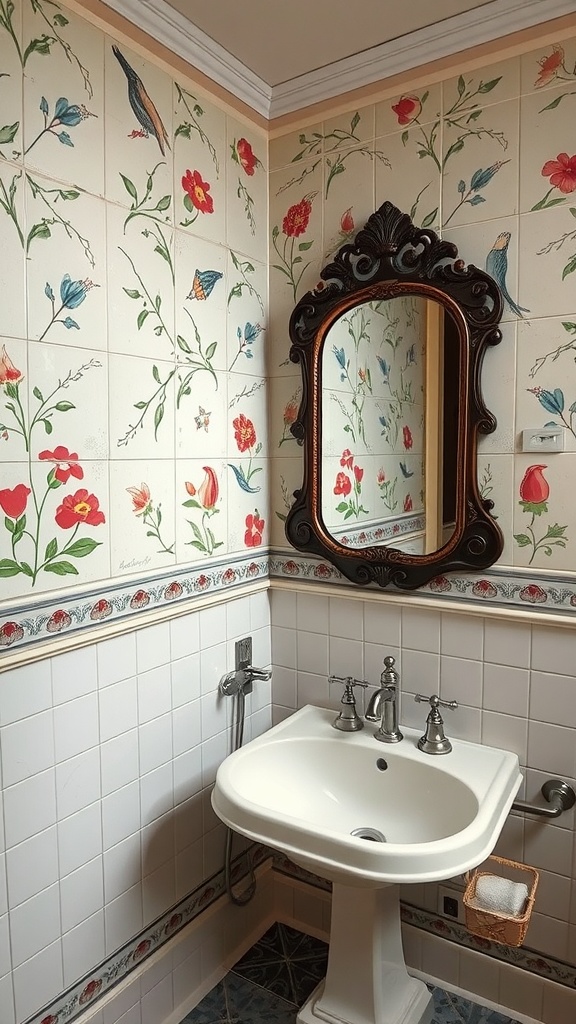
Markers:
{"x": 391, "y": 257}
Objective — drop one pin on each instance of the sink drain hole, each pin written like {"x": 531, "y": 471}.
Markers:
{"x": 371, "y": 834}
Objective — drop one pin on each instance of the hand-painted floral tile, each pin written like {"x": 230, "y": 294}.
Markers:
{"x": 201, "y": 415}
{"x": 200, "y": 158}
{"x": 347, "y": 206}
{"x": 247, "y": 436}
{"x": 14, "y": 413}
{"x": 549, "y": 66}
{"x": 346, "y": 131}
{"x": 546, "y": 376}
{"x": 200, "y": 304}
{"x": 11, "y": 116}
{"x": 248, "y": 517}
{"x": 544, "y": 519}
{"x": 139, "y": 140}
{"x": 548, "y": 152}
{"x": 413, "y": 110}
{"x": 68, "y": 399}
{"x": 57, "y": 535}
{"x": 247, "y": 191}
{"x": 548, "y": 248}
{"x": 286, "y": 149}
{"x": 480, "y": 166}
{"x": 496, "y": 483}
{"x": 142, "y": 530}
{"x": 66, "y": 278}
{"x": 497, "y": 383}
{"x": 142, "y": 407}
{"x": 201, "y": 509}
{"x": 285, "y": 478}
{"x": 140, "y": 286}
{"x": 15, "y": 242}
{"x": 494, "y": 247}
{"x": 64, "y": 99}
{"x": 246, "y": 322}
{"x": 285, "y": 398}
{"x": 411, "y": 182}
{"x": 476, "y": 90}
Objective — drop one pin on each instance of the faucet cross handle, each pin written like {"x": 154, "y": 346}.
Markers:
{"x": 435, "y": 702}
{"x": 348, "y": 719}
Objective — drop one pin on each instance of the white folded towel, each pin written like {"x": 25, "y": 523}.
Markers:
{"x": 500, "y": 895}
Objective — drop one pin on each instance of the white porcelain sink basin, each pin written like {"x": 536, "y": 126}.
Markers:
{"x": 303, "y": 788}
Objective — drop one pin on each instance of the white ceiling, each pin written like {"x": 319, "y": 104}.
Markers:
{"x": 281, "y": 40}
{"x": 280, "y": 56}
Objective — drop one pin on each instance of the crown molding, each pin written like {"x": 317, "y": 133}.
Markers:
{"x": 179, "y": 35}
{"x": 461, "y": 32}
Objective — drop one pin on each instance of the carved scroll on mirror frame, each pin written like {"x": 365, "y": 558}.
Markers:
{"x": 391, "y": 343}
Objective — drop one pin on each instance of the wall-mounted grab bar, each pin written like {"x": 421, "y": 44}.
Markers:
{"x": 559, "y": 794}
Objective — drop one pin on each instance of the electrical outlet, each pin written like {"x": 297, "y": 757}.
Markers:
{"x": 450, "y": 903}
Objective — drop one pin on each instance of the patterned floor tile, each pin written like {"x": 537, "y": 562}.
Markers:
{"x": 452, "y": 1009}
{"x": 236, "y": 1001}
{"x": 285, "y": 962}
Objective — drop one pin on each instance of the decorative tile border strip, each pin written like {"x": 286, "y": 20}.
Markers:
{"x": 30, "y": 623}
{"x": 70, "y": 1004}
{"x": 399, "y": 526}
{"x": 519, "y": 956}
{"x": 516, "y": 588}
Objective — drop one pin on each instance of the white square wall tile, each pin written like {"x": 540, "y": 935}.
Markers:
{"x": 461, "y": 680}
{"x": 506, "y": 732}
{"x": 116, "y": 659}
{"x": 120, "y": 815}
{"x": 346, "y": 618}
{"x": 553, "y": 699}
{"x": 120, "y": 761}
{"x": 186, "y": 727}
{"x": 462, "y": 636}
{"x": 184, "y": 635}
{"x": 118, "y": 705}
{"x": 506, "y": 689}
{"x": 283, "y": 608}
{"x": 82, "y": 947}
{"x": 553, "y": 650}
{"x": 212, "y": 626}
{"x": 79, "y": 838}
{"x": 551, "y": 748}
{"x": 154, "y": 693}
{"x": 123, "y": 918}
{"x": 155, "y": 741}
{"x": 420, "y": 630}
{"x": 313, "y": 613}
{"x": 185, "y": 674}
{"x": 32, "y": 866}
{"x": 76, "y": 726}
{"x": 25, "y": 691}
{"x": 74, "y": 674}
{"x": 35, "y": 924}
{"x": 153, "y": 646}
{"x": 38, "y": 980}
{"x": 122, "y": 867}
{"x": 78, "y": 782}
{"x": 29, "y": 807}
{"x": 507, "y": 643}
{"x": 27, "y": 748}
{"x": 81, "y": 894}
{"x": 382, "y": 623}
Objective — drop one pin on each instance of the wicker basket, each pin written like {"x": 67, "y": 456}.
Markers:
{"x": 510, "y": 931}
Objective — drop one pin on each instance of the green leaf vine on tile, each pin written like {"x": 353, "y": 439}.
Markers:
{"x": 24, "y": 523}
{"x": 42, "y": 45}
{"x": 245, "y": 269}
{"x": 191, "y": 124}
{"x": 569, "y": 346}
{"x": 142, "y": 505}
{"x": 154, "y": 211}
{"x": 332, "y": 142}
{"x": 42, "y": 229}
{"x": 557, "y": 243}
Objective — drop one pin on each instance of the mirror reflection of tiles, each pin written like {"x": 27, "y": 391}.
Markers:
{"x": 272, "y": 980}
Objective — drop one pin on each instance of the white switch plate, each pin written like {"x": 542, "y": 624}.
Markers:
{"x": 543, "y": 439}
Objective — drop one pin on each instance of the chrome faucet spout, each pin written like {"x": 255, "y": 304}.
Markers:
{"x": 384, "y": 705}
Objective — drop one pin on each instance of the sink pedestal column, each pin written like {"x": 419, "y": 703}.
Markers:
{"x": 367, "y": 981}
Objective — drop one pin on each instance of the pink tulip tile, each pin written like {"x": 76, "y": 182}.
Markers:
{"x": 548, "y": 246}
{"x": 139, "y": 139}
{"x": 410, "y": 110}
{"x": 285, "y": 478}
{"x": 247, "y": 190}
{"x": 480, "y": 178}
{"x": 201, "y": 416}
{"x": 548, "y": 66}
{"x": 412, "y": 182}
{"x": 548, "y": 153}
{"x": 143, "y": 530}
{"x": 496, "y": 483}
{"x": 493, "y": 247}
{"x": 13, "y": 251}
{"x": 497, "y": 384}
{"x": 68, "y": 401}
{"x": 546, "y": 381}
{"x": 66, "y": 269}
{"x": 58, "y": 533}
{"x": 246, "y": 318}
{"x": 64, "y": 100}
{"x": 11, "y": 107}
{"x": 200, "y": 304}
{"x": 201, "y": 509}
{"x": 544, "y": 522}
{"x": 140, "y": 286}
{"x": 14, "y": 413}
{"x": 142, "y": 403}
{"x": 248, "y": 512}
{"x": 286, "y": 149}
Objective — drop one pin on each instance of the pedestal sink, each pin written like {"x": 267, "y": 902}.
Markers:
{"x": 367, "y": 816}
